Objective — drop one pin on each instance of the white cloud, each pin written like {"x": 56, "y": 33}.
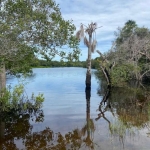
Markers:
{"x": 110, "y": 14}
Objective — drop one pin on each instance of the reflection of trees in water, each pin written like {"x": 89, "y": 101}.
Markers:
{"x": 105, "y": 106}
{"x": 88, "y": 130}
{"x": 130, "y": 107}
{"x": 76, "y": 139}
{"x": 47, "y": 139}
{"x": 16, "y": 125}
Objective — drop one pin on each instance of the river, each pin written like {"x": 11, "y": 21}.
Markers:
{"x": 64, "y": 122}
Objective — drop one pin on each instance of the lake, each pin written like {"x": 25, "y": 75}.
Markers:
{"x": 67, "y": 120}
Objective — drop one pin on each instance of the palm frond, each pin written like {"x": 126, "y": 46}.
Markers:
{"x": 93, "y": 46}
{"x": 86, "y": 41}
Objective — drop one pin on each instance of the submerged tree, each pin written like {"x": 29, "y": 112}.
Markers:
{"x": 90, "y": 43}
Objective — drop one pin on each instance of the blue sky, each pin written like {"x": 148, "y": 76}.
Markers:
{"x": 110, "y": 14}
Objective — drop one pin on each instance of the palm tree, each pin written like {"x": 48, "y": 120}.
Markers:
{"x": 90, "y": 43}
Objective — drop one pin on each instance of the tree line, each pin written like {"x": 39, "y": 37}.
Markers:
{"x": 54, "y": 63}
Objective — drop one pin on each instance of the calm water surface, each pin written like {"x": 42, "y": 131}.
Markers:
{"x": 68, "y": 121}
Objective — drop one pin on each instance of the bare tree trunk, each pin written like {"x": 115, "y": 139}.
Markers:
{"x": 107, "y": 76}
{"x": 106, "y": 72}
{"x": 88, "y": 74}
{"x": 2, "y": 76}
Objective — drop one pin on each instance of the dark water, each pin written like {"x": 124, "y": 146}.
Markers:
{"x": 68, "y": 121}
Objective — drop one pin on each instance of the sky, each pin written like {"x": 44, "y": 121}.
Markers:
{"x": 110, "y": 14}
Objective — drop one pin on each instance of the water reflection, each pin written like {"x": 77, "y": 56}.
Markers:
{"x": 130, "y": 108}
{"x": 69, "y": 120}
{"x": 76, "y": 139}
{"x": 89, "y": 128}
{"x": 134, "y": 110}
{"x": 15, "y": 125}
{"x": 105, "y": 106}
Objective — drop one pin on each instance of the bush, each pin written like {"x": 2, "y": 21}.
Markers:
{"x": 16, "y": 99}
{"x": 121, "y": 74}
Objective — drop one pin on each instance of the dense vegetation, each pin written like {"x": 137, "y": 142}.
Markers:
{"x": 31, "y": 28}
{"x": 129, "y": 57}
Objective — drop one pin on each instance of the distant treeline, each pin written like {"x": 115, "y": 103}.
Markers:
{"x": 44, "y": 64}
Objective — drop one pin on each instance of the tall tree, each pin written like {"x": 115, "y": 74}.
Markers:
{"x": 30, "y": 28}
{"x": 90, "y": 43}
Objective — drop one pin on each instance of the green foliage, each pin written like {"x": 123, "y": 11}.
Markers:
{"x": 32, "y": 28}
{"x": 130, "y": 54}
{"x": 38, "y": 100}
{"x": 121, "y": 74}
{"x": 16, "y": 99}
{"x": 44, "y": 63}
{"x": 125, "y": 32}
{"x": 142, "y": 32}
{"x": 23, "y": 60}
{"x": 94, "y": 63}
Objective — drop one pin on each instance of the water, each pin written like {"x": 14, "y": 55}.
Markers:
{"x": 67, "y": 121}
